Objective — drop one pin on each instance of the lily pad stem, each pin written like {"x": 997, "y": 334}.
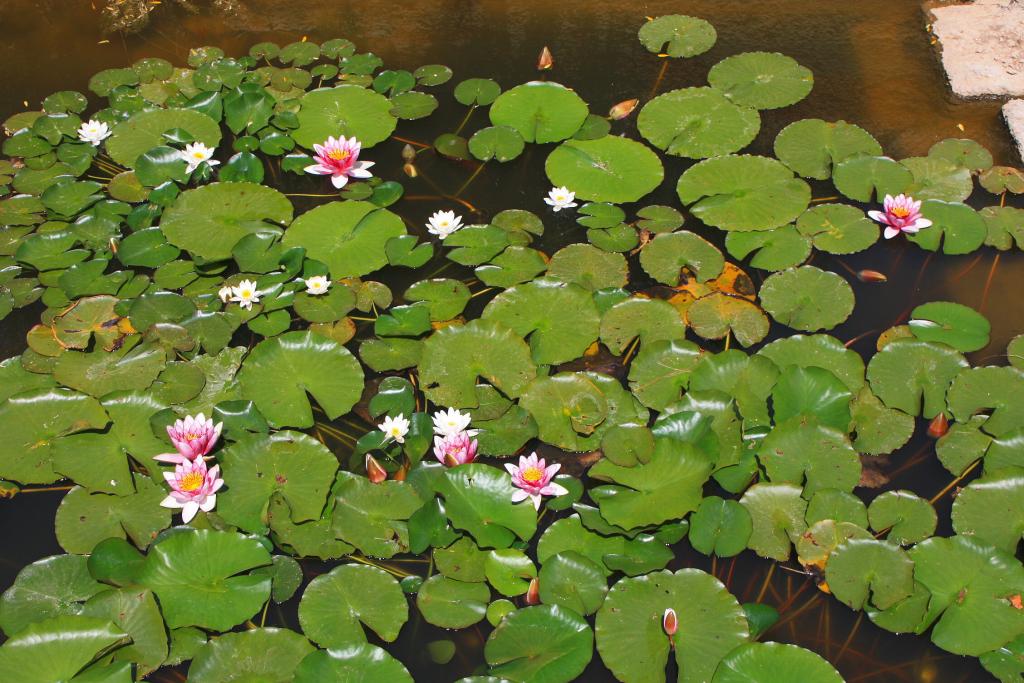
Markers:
{"x": 952, "y": 484}
{"x": 465, "y": 120}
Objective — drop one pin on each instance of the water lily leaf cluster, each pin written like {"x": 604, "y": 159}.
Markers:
{"x": 673, "y": 363}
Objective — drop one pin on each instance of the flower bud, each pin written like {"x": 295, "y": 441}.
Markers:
{"x": 532, "y": 596}
{"x": 622, "y": 109}
{"x": 669, "y": 622}
{"x": 410, "y": 170}
{"x": 546, "y": 60}
{"x": 938, "y": 427}
{"x": 871, "y": 276}
{"x": 408, "y": 153}
{"x": 374, "y": 471}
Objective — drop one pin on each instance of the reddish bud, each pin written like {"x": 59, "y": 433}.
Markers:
{"x": 374, "y": 471}
{"x": 670, "y": 622}
{"x": 1016, "y": 601}
{"x": 532, "y": 596}
{"x": 546, "y": 60}
{"x": 938, "y": 426}
{"x": 622, "y": 109}
{"x": 410, "y": 170}
{"x": 871, "y": 276}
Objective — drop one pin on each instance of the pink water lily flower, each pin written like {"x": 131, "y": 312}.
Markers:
{"x": 901, "y": 214}
{"x": 534, "y": 479}
{"x": 455, "y": 449}
{"x": 339, "y": 158}
{"x": 193, "y": 488}
{"x": 194, "y": 437}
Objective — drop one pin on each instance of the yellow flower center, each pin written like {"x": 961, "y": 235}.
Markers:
{"x": 900, "y": 212}
{"x": 532, "y": 475}
{"x": 246, "y": 293}
{"x": 338, "y": 154}
{"x": 198, "y": 155}
{"x": 191, "y": 481}
{"x": 396, "y": 431}
{"x": 191, "y": 437}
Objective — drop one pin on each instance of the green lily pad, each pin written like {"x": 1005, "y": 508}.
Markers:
{"x": 664, "y": 257}
{"x": 58, "y": 648}
{"x": 991, "y": 509}
{"x": 270, "y": 654}
{"x": 449, "y": 603}
{"x": 145, "y": 130}
{"x": 651, "y": 320}
{"x": 335, "y": 605}
{"x": 812, "y": 392}
{"x": 763, "y": 80}
{"x": 541, "y": 111}
{"x": 478, "y": 92}
{"x": 208, "y": 221}
{"x": 954, "y": 324}
{"x": 774, "y": 663}
{"x": 84, "y": 519}
{"x": 777, "y": 512}
{"x": 33, "y": 422}
{"x": 863, "y": 177}
{"x": 749, "y": 379}
{"x": 478, "y": 499}
{"x": 913, "y": 375}
{"x": 513, "y": 265}
{"x": 350, "y": 237}
{"x": 608, "y": 169}
{"x": 214, "y": 593}
{"x": 970, "y": 584}
{"x": 633, "y": 556}
{"x": 938, "y": 178}
{"x": 966, "y": 153}
{"x": 347, "y": 110}
{"x": 509, "y": 571}
{"x": 907, "y": 517}
{"x": 51, "y": 587}
{"x": 666, "y": 487}
{"x": 291, "y": 464}
{"x": 880, "y": 430}
{"x": 280, "y": 371}
{"x": 573, "y": 581}
{"x": 545, "y": 643}
{"x": 373, "y": 517}
{"x": 697, "y": 123}
{"x": 454, "y": 357}
{"x": 573, "y": 410}
{"x": 959, "y": 228}
{"x": 858, "y": 568}
{"x": 807, "y": 298}
{"x": 588, "y": 267}
{"x": 990, "y": 390}
{"x": 362, "y": 663}
{"x": 838, "y": 228}
{"x": 677, "y": 35}
{"x": 802, "y": 447}
{"x": 715, "y": 315}
{"x": 776, "y": 249}
{"x": 719, "y": 526}
{"x": 502, "y": 143}
{"x": 743, "y": 192}
{"x": 661, "y": 371}
{"x": 813, "y": 147}
{"x": 633, "y": 644}
{"x": 136, "y": 612}
{"x": 838, "y": 506}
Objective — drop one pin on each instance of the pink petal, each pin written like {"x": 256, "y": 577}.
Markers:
{"x": 891, "y": 232}
{"x": 317, "y": 169}
{"x": 519, "y": 495}
{"x": 339, "y": 181}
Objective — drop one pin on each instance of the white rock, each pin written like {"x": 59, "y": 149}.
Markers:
{"x": 982, "y": 47}
{"x": 1013, "y": 112}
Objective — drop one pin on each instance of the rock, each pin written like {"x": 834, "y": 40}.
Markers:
{"x": 982, "y": 47}
{"x": 1013, "y": 112}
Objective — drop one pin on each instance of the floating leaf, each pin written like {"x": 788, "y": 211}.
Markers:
{"x": 630, "y": 638}
{"x": 763, "y": 80}
{"x": 58, "y": 648}
{"x": 449, "y": 603}
{"x": 502, "y": 143}
{"x": 990, "y": 509}
{"x": 913, "y": 375}
{"x": 347, "y": 110}
{"x": 958, "y": 227}
{"x": 777, "y": 513}
{"x": 937, "y": 178}
{"x": 907, "y": 517}
{"x": 838, "y": 228}
{"x": 720, "y": 526}
{"x": 350, "y": 664}
{"x": 677, "y": 35}
{"x": 802, "y": 447}
{"x": 807, "y": 298}
{"x": 813, "y": 147}
{"x": 541, "y": 111}
{"x": 350, "y": 237}
{"x": 609, "y": 169}
{"x": 863, "y": 177}
{"x": 966, "y": 153}
{"x": 51, "y": 587}
{"x": 335, "y": 605}
{"x": 954, "y": 324}
{"x": 661, "y": 371}
{"x": 649, "y": 319}
{"x": 373, "y": 517}
{"x": 717, "y": 314}
{"x": 265, "y": 653}
{"x": 145, "y": 130}
{"x": 478, "y": 499}
{"x": 743, "y": 192}
{"x": 774, "y": 663}
{"x": 573, "y": 581}
{"x": 776, "y": 249}
{"x": 546, "y": 644}
{"x": 697, "y": 123}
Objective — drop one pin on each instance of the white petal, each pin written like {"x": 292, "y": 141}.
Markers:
{"x": 339, "y": 181}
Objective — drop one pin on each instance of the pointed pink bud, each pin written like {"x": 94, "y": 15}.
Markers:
{"x": 533, "y": 592}
{"x": 374, "y": 471}
{"x": 938, "y": 427}
{"x": 871, "y": 276}
{"x": 546, "y": 60}
{"x": 622, "y": 109}
{"x": 670, "y": 622}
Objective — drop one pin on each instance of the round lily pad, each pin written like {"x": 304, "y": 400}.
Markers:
{"x": 959, "y": 228}
{"x": 763, "y": 80}
{"x": 573, "y": 581}
{"x": 351, "y": 663}
{"x": 145, "y": 130}
{"x": 813, "y": 147}
{"x": 541, "y": 111}
{"x": 807, "y": 298}
{"x": 907, "y": 517}
{"x": 743, "y": 192}
{"x": 838, "y": 228}
{"x": 951, "y": 323}
{"x": 546, "y": 644}
{"x": 864, "y": 177}
{"x": 265, "y": 653}
{"x": 449, "y": 603}
{"x": 717, "y": 314}
{"x": 697, "y": 123}
{"x": 347, "y": 110}
{"x": 335, "y": 606}
{"x": 677, "y": 35}
{"x": 608, "y": 169}
{"x": 774, "y": 663}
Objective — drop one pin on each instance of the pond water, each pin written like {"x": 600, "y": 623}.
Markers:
{"x": 873, "y": 66}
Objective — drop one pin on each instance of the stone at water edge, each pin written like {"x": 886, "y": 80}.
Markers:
{"x": 1013, "y": 112}
{"x": 982, "y": 47}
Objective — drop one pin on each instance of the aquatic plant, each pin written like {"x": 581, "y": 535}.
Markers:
{"x": 669, "y": 401}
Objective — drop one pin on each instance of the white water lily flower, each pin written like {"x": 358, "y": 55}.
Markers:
{"x": 394, "y": 428}
{"x": 560, "y": 198}
{"x": 316, "y": 285}
{"x": 443, "y": 223}
{"x": 195, "y": 154}
{"x": 225, "y": 293}
{"x": 94, "y": 132}
{"x": 246, "y": 294}
{"x": 451, "y": 422}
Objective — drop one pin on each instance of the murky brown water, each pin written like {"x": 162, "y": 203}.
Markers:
{"x": 873, "y": 66}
